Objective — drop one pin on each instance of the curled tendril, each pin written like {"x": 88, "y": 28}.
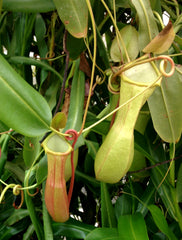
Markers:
{"x": 17, "y": 189}
{"x": 33, "y": 194}
{"x": 71, "y": 134}
{"x": 163, "y": 65}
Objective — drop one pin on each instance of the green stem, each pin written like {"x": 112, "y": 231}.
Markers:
{"x": 33, "y": 215}
{"x": 4, "y": 153}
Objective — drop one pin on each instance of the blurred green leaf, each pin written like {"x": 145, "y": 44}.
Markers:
{"x": 3, "y": 127}
{"x": 17, "y": 215}
{"x": 123, "y": 206}
{"x": 103, "y": 233}
{"x": 29, "y": 5}
{"x": 132, "y": 227}
{"x": 107, "y": 211}
{"x": 72, "y": 228}
{"x": 161, "y": 222}
{"x": 41, "y": 173}
{"x": 92, "y": 148}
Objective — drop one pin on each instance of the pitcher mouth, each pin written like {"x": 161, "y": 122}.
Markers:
{"x": 135, "y": 75}
{"x": 56, "y": 145}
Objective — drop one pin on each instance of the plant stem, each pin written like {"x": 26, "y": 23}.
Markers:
{"x": 33, "y": 215}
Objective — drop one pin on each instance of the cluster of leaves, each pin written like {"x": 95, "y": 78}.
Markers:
{"x": 34, "y": 51}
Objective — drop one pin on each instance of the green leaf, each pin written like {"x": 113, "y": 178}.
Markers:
{"x": 3, "y": 127}
{"x": 158, "y": 154}
{"x": 161, "y": 222}
{"x": 29, "y": 5}
{"x": 32, "y": 61}
{"x": 17, "y": 215}
{"x": 103, "y": 233}
{"x": 92, "y": 148}
{"x": 107, "y": 211}
{"x": 120, "y": 3}
{"x": 41, "y": 173}
{"x": 123, "y": 205}
{"x": 23, "y": 108}
{"x": 130, "y": 38}
{"x": 31, "y": 149}
{"x": 147, "y": 25}
{"x": 165, "y": 108}
{"x": 75, "y": 46}
{"x": 29, "y": 231}
{"x": 179, "y": 185}
{"x": 74, "y": 15}
{"x": 102, "y": 128}
{"x": 146, "y": 199}
{"x": 132, "y": 227}
{"x": 72, "y": 228}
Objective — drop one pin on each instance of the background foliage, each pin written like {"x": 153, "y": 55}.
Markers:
{"x": 36, "y": 53}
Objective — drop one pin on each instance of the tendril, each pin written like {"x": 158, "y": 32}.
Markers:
{"x": 17, "y": 189}
{"x": 113, "y": 88}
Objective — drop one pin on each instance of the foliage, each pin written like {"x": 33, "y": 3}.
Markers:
{"x": 82, "y": 65}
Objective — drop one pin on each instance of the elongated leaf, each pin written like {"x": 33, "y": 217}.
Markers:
{"x": 29, "y": 231}
{"x": 103, "y": 233}
{"x": 157, "y": 152}
{"x": 92, "y": 148}
{"x": 74, "y": 15}
{"x": 161, "y": 222}
{"x": 72, "y": 229}
{"x": 147, "y": 25}
{"x": 107, "y": 211}
{"x": 17, "y": 215}
{"x": 32, "y": 61}
{"x": 132, "y": 227}
{"x": 75, "y": 114}
{"x": 22, "y": 107}
{"x": 165, "y": 108}
{"x": 28, "y": 5}
{"x": 147, "y": 198}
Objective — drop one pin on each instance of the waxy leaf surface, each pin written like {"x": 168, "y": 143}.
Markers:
{"x": 22, "y": 107}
